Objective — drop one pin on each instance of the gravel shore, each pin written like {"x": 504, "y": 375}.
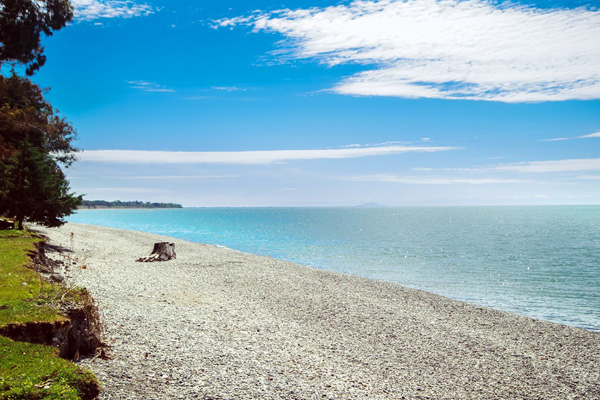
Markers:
{"x": 220, "y": 324}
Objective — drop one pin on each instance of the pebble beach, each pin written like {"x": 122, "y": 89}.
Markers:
{"x": 219, "y": 324}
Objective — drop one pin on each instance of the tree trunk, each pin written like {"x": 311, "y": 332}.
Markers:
{"x": 162, "y": 251}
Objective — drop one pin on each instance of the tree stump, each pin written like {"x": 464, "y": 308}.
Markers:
{"x": 6, "y": 224}
{"x": 162, "y": 251}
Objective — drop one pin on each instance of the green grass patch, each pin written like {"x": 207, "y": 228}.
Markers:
{"x": 24, "y": 296}
{"x": 30, "y": 371}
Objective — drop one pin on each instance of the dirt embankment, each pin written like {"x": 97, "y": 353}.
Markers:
{"x": 77, "y": 334}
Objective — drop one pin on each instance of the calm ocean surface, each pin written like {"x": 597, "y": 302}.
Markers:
{"x": 543, "y": 262}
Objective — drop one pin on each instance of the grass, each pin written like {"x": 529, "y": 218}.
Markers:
{"x": 30, "y": 371}
{"x": 24, "y": 297}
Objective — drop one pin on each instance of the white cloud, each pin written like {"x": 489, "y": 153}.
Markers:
{"x": 172, "y": 177}
{"x": 427, "y": 180}
{"x": 121, "y": 190}
{"x": 589, "y": 177}
{"x": 229, "y": 88}
{"x": 450, "y": 49}
{"x": 559, "y": 139}
{"x": 591, "y": 135}
{"x": 198, "y": 98}
{"x": 149, "y": 86}
{"x": 526, "y": 197}
{"x": 93, "y": 9}
{"x": 569, "y": 165}
{"x": 246, "y": 157}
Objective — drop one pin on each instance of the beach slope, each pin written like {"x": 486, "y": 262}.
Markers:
{"x": 220, "y": 324}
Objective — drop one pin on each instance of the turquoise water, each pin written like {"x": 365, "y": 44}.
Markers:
{"x": 543, "y": 262}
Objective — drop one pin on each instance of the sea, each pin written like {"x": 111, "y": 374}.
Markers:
{"x": 538, "y": 261}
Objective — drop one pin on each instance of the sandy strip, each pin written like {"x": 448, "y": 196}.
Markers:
{"x": 219, "y": 324}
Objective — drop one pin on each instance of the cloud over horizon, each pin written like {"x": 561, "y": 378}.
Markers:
{"x": 246, "y": 157}
{"x": 494, "y": 174}
{"x": 428, "y": 180}
{"x": 529, "y": 167}
{"x": 445, "y": 49}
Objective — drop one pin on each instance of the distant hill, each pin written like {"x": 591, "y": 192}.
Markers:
{"x": 371, "y": 205}
{"x": 125, "y": 204}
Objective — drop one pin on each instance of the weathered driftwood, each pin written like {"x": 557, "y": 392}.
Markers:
{"x": 162, "y": 251}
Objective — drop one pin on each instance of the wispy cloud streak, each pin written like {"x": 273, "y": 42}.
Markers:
{"x": 229, "y": 88}
{"x": 149, "y": 86}
{"x": 569, "y": 165}
{"x": 428, "y": 180}
{"x": 531, "y": 167}
{"x": 246, "y": 157}
{"x": 591, "y": 135}
{"x": 95, "y": 9}
{"x": 122, "y": 190}
{"x": 449, "y": 49}
{"x": 172, "y": 177}
{"x": 560, "y": 139}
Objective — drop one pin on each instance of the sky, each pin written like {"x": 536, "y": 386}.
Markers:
{"x": 331, "y": 103}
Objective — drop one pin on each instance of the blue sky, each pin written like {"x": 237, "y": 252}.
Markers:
{"x": 327, "y": 103}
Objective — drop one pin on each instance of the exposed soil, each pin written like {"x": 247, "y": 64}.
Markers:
{"x": 78, "y": 334}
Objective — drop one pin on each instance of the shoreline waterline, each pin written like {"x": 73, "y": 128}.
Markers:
{"x": 540, "y": 262}
{"x": 222, "y": 324}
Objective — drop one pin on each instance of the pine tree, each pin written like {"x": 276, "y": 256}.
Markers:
{"x": 22, "y": 22}
{"x": 34, "y": 142}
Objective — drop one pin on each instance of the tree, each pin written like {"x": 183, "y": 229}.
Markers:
{"x": 34, "y": 142}
{"x": 21, "y": 24}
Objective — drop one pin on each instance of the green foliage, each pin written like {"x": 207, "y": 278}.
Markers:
{"x": 33, "y": 142}
{"x": 126, "y": 204}
{"x": 22, "y": 22}
{"x": 25, "y": 115}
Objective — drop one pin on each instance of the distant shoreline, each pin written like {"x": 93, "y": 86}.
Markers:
{"x": 127, "y": 208}
{"x": 103, "y": 204}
